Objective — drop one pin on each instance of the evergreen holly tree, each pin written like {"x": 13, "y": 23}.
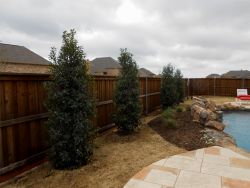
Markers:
{"x": 168, "y": 86}
{"x": 70, "y": 106}
{"x": 127, "y": 92}
{"x": 179, "y": 86}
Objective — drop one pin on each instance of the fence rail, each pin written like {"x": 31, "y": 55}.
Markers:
{"x": 23, "y": 132}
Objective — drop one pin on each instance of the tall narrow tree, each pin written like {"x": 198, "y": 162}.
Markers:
{"x": 126, "y": 98}
{"x": 70, "y": 106}
{"x": 179, "y": 86}
{"x": 168, "y": 86}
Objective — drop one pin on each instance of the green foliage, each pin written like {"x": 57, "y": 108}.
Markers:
{"x": 126, "y": 97}
{"x": 171, "y": 123}
{"x": 70, "y": 106}
{"x": 169, "y": 118}
{"x": 168, "y": 113}
{"x": 179, "y": 109}
{"x": 172, "y": 86}
{"x": 179, "y": 86}
{"x": 168, "y": 87}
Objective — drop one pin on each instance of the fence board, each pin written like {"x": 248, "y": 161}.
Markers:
{"x": 216, "y": 86}
{"x": 23, "y": 132}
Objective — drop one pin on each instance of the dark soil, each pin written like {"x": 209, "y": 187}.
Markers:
{"x": 186, "y": 134}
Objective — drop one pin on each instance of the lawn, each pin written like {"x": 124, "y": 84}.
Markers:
{"x": 116, "y": 159}
{"x": 217, "y": 99}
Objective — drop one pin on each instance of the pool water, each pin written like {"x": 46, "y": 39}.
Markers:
{"x": 238, "y": 126}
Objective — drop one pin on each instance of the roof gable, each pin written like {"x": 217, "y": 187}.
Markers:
{"x": 19, "y": 54}
{"x": 237, "y": 74}
{"x": 213, "y": 76}
{"x": 102, "y": 63}
{"x": 145, "y": 72}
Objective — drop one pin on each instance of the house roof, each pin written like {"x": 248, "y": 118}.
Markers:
{"x": 213, "y": 76}
{"x": 237, "y": 74}
{"x": 100, "y": 64}
{"x": 145, "y": 72}
{"x": 19, "y": 54}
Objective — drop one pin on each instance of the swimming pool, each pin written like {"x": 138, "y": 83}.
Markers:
{"x": 238, "y": 125}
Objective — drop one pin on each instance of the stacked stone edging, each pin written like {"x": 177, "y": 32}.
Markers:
{"x": 208, "y": 114}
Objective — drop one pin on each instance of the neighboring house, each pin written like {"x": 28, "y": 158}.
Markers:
{"x": 105, "y": 66}
{"x": 237, "y": 74}
{"x": 213, "y": 76}
{"x": 110, "y": 67}
{"x": 145, "y": 73}
{"x": 18, "y": 59}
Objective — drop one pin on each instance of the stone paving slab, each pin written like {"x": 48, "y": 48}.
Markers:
{"x": 213, "y": 167}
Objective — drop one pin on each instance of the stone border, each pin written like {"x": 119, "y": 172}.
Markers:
{"x": 209, "y": 115}
{"x": 215, "y": 167}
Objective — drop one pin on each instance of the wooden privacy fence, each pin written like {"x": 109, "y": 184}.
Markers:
{"x": 104, "y": 87}
{"x": 215, "y": 86}
{"x": 23, "y": 132}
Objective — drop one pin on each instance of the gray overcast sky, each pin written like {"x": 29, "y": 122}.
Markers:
{"x": 199, "y": 37}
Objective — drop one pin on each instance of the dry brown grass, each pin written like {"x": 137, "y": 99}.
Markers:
{"x": 221, "y": 100}
{"x": 217, "y": 99}
{"x": 116, "y": 159}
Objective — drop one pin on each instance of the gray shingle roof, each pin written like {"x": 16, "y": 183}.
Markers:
{"x": 19, "y": 54}
{"x": 213, "y": 76}
{"x": 237, "y": 74}
{"x": 145, "y": 72}
{"x": 102, "y": 63}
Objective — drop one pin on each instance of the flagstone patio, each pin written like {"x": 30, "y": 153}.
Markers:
{"x": 213, "y": 167}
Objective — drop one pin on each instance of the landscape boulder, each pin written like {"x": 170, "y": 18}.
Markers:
{"x": 211, "y": 106}
{"x": 232, "y": 106}
{"x": 203, "y": 111}
{"x": 218, "y": 138}
{"x": 201, "y": 115}
{"x": 209, "y": 115}
{"x": 200, "y": 101}
{"x": 219, "y": 114}
{"x": 204, "y": 103}
{"x": 215, "y": 125}
{"x": 195, "y": 112}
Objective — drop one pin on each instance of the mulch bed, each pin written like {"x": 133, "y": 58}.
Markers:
{"x": 187, "y": 134}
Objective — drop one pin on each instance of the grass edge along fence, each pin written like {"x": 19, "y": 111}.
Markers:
{"x": 23, "y": 132}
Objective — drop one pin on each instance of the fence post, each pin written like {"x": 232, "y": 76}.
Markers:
{"x": 190, "y": 88}
{"x": 214, "y": 86}
{"x": 146, "y": 95}
{"x": 1, "y": 149}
